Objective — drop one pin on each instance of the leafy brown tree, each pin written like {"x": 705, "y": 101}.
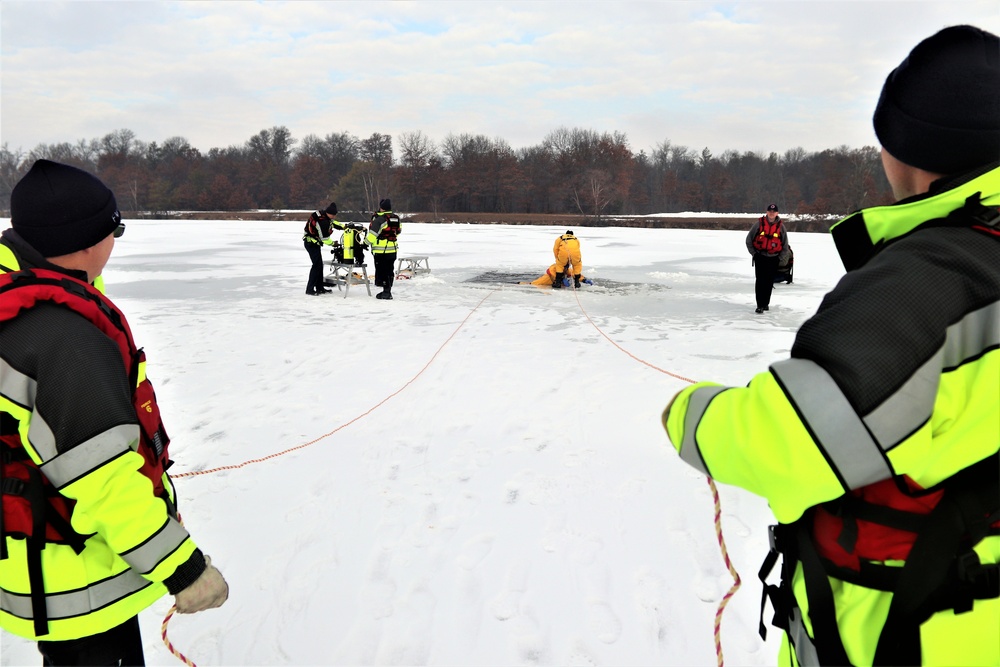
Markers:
{"x": 571, "y": 170}
{"x": 416, "y": 151}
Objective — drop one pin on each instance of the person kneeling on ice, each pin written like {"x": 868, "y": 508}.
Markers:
{"x": 548, "y": 278}
{"x": 876, "y": 442}
{"x": 569, "y": 262}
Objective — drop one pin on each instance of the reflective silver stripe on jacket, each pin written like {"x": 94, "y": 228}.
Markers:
{"x": 697, "y": 404}
{"x": 91, "y": 454}
{"x": 21, "y": 389}
{"x": 805, "y": 650}
{"x": 77, "y": 602}
{"x": 837, "y": 428}
{"x": 17, "y": 387}
{"x": 913, "y": 403}
{"x": 145, "y": 557}
{"x": 857, "y": 444}
{"x": 41, "y": 437}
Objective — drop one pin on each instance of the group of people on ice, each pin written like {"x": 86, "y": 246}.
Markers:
{"x": 876, "y": 442}
{"x": 567, "y": 270}
{"x": 381, "y": 237}
{"x": 767, "y": 242}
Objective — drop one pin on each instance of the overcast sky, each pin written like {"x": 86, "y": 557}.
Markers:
{"x": 760, "y": 76}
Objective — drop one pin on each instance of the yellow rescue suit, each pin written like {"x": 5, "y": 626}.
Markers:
{"x": 567, "y": 253}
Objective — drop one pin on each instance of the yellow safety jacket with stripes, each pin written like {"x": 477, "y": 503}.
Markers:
{"x": 130, "y": 547}
{"x": 896, "y": 377}
{"x": 383, "y": 232}
{"x": 319, "y": 228}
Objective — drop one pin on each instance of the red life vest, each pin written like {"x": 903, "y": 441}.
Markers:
{"x": 316, "y": 227}
{"x": 852, "y": 529}
{"x": 768, "y": 238}
{"x": 32, "y": 509}
{"x": 392, "y": 228}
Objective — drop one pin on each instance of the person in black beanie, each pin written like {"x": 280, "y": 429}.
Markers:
{"x": 90, "y": 534}
{"x": 939, "y": 109}
{"x": 767, "y": 243}
{"x": 383, "y": 239}
{"x": 317, "y": 233}
{"x": 877, "y": 442}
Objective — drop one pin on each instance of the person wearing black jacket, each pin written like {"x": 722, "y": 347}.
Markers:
{"x": 316, "y": 234}
{"x": 767, "y": 241}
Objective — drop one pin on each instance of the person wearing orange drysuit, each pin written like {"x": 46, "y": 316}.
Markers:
{"x": 568, "y": 260}
{"x": 548, "y": 278}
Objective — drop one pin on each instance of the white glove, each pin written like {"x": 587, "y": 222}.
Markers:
{"x": 208, "y": 591}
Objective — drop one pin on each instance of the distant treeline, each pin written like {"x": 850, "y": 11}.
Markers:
{"x": 573, "y": 171}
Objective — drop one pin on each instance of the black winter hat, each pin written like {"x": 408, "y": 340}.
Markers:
{"x": 940, "y": 109}
{"x": 59, "y": 209}
{"x": 385, "y": 205}
{"x": 331, "y": 209}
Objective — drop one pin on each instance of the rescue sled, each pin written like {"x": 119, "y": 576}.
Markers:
{"x": 784, "y": 273}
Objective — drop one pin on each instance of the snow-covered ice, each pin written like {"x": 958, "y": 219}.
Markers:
{"x": 477, "y": 474}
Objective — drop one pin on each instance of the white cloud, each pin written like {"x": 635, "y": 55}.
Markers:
{"x": 745, "y": 76}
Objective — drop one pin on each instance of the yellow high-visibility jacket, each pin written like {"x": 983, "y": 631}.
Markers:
{"x": 319, "y": 228}
{"x": 898, "y": 373}
{"x": 64, "y": 388}
{"x": 383, "y": 232}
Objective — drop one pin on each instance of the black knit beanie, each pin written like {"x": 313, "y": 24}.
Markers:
{"x": 59, "y": 209}
{"x": 940, "y": 109}
{"x": 385, "y": 205}
{"x": 331, "y": 209}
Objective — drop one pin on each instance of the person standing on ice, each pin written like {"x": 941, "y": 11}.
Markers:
{"x": 90, "y": 534}
{"x": 767, "y": 243}
{"x": 317, "y": 233}
{"x": 383, "y": 233}
{"x": 568, "y": 260}
{"x": 877, "y": 444}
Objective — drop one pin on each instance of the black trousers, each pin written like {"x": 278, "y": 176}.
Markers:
{"x": 118, "y": 646}
{"x": 316, "y": 270}
{"x": 765, "y": 269}
{"x": 385, "y": 270}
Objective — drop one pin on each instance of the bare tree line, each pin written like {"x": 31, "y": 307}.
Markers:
{"x": 572, "y": 171}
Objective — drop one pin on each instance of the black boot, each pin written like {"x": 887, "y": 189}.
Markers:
{"x": 557, "y": 283}
{"x": 576, "y": 281}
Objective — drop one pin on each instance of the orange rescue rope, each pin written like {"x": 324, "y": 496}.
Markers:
{"x": 711, "y": 483}
{"x": 193, "y": 473}
{"x": 715, "y": 497}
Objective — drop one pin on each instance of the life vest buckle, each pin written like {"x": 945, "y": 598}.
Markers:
{"x": 980, "y": 214}
{"x": 12, "y": 486}
{"x": 21, "y": 275}
{"x": 74, "y": 287}
{"x": 970, "y": 570}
